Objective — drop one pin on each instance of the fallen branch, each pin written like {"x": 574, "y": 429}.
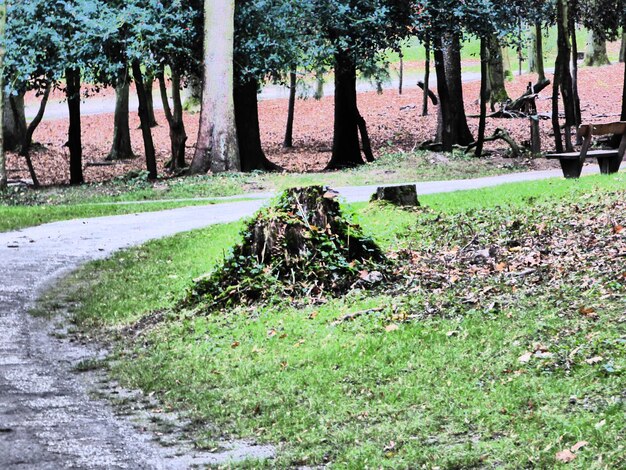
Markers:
{"x": 500, "y": 134}
{"x": 354, "y": 315}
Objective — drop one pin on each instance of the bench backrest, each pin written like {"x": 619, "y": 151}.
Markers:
{"x": 603, "y": 129}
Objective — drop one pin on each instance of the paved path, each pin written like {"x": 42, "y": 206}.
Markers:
{"x": 47, "y": 418}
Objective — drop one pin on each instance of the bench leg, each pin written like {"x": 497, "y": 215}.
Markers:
{"x": 609, "y": 165}
{"x": 571, "y": 168}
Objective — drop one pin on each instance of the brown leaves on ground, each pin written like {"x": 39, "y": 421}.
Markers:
{"x": 394, "y": 121}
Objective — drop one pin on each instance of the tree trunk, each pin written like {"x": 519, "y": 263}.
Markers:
{"x": 563, "y": 79}
{"x": 148, "y": 84}
{"x": 121, "y": 149}
{"x": 319, "y": 85}
{"x": 401, "y": 74}
{"x": 541, "y": 73}
{"x": 346, "y": 149}
{"x": 144, "y": 118}
{"x": 293, "y": 81}
{"x": 74, "y": 142}
{"x": 14, "y": 126}
{"x": 577, "y": 111}
{"x": 426, "y": 79}
{"x": 192, "y": 94}
{"x": 3, "y": 168}
{"x": 506, "y": 63}
{"x": 248, "y": 132}
{"x": 174, "y": 116}
{"x": 453, "y": 128}
{"x": 216, "y": 147}
{"x": 496, "y": 78}
{"x": 622, "y": 49}
{"x": 28, "y": 138}
{"x": 595, "y": 52}
{"x": 484, "y": 79}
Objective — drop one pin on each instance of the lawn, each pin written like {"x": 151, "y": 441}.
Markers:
{"x": 21, "y": 207}
{"x": 467, "y": 359}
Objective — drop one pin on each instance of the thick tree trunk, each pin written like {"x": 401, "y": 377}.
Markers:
{"x": 248, "y": 132}
{"x": 622, "y": 49}
{"x": 541, "y": 73}
{"x": 74, "y": 142}
{"x": 288, "y": 141}
{"x": 319, "y": 85}
{"x": 14, "y": 125}
{"x": 121, "y": 148}
{"x": 595, "y": 52}
{"x": 3, "y": 168}
{"x": 496, "y": 85}
{"x": 453, "y": 128}
{"x": 174, "y": 116}
{"x": 484, "y": 79}
{"x": 144, "y": 118}
{"x": 216, "y": 147}
{"x": 563, "y": 80}
{"x": 346, "y": 149}
{"x": 426, "y": 79}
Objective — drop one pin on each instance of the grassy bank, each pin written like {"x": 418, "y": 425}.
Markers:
{"x": 21, "y": 207}
{"x": 465, "y": 360}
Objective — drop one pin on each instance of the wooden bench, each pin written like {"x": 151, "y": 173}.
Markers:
{"x": 609, "y": 160}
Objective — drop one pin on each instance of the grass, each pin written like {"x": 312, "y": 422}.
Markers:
{"x": 399, "y": 387}
{"x": 21, "y": 208}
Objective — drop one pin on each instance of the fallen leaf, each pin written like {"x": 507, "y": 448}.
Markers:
{"x": 618, "y": 229}
{"x": 594, "y": 360}
{"x": 235, "y": 344}
{"x": 524, "y": 358}
{"x": 565, "y": 456}
{"x": 578, "y": 445}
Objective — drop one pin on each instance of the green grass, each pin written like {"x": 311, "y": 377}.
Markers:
{"x": 21, "y": 208}
{"x": 441, "y": 390}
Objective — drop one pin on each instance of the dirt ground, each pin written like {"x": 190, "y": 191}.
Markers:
{"x": 394, "y": 122}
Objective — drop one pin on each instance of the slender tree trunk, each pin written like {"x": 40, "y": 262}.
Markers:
{"x": 595, "y": 52}
{"x": 174, "y": 116}
{"x": 563, "y": 79}
{"x": 3, "y": 168}
{"x": 577, "y": 111}
{"x": 541, "y": 73}
{"x": 426, "y": 79}
{"x": 144, "y": 118}
{"x": 288, "y": 141}
{"x": 484, "y": 79}
{"x": 346, "y": 149}
{"x": 216, "y": 147}
{"x": 622, "y": 49}
{"x": 121, "y": 148}
{"x": 248, "y": 132}
{"x": 74, "y": 142}
{"x": 401, "y": 74}
{"x": 28, "y": 138}
{"x": 453, "y": 128}
{"x": 14, "y": 126}
{"x": 623, "y": 115}
{"x": 319, "y": 85}
{"x": 148, "y": 84}
{"x": 496, "y": 85}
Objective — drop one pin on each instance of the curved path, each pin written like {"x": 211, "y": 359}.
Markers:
{"x": 48, "y": 420}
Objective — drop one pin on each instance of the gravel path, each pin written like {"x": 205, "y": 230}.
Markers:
{"x": 48, "y": 418}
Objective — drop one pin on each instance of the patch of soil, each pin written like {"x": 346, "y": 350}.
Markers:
{"x": 394, "y": 122}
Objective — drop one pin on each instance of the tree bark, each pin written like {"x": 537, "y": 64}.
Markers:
{"x": 28, "y": 138}
{"x": 293, "y": 81}
{"x": 346, "y": 149}
{"x": 14, "y": 125}
{"x": 248, "y": 132}
{"x": 144, "y": 118}
{"x": 3, "y": 169}
{"x": 121, "y": 148}
{"x": 319, "y": 85}
{"x": 216, "y": 147}
{"x": 495, "y": 74}
{"x": 622, "y": 48}
{"x": 74, "y": 142}
{"x": 595, "y": 52}
{"x": 148, "y": 83}
{"x": 453, "y": 128}
{"x": 174, "y": 117}
{"x": 426, "y": 79}
{"x": 484, "y": 79}
{"x": 401, "y": 74}
{"x": 577, "y": 111}
{"x": 541, "y": 73}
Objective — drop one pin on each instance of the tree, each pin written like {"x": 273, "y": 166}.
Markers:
{"x": 595, "y": 52}
{"x": 3, "y": 19}
{"x": 217, "y": 148}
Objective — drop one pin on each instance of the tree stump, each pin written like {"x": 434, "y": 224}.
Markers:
{"x": 404, "y": 195}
